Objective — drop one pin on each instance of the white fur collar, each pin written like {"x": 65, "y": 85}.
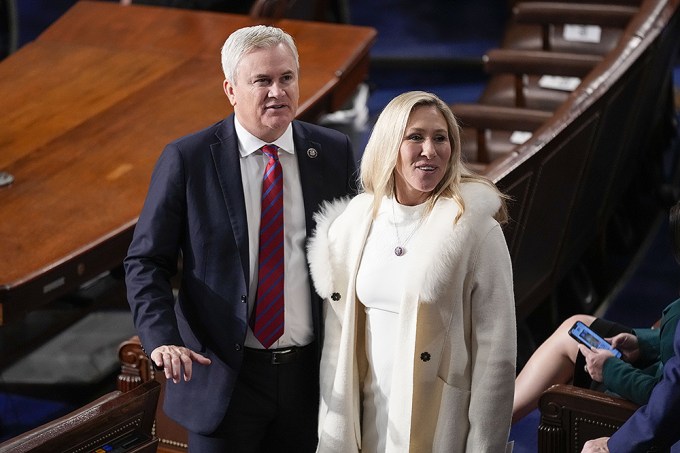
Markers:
{"x": 481, "y": 202}
{"x": 318, "y": 251}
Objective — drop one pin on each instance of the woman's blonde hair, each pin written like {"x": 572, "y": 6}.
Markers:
{"x": 379, "y": 161}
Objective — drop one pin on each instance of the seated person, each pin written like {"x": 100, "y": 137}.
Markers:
{"x": 655, "y": 424}
{"x": 559, "y": 361}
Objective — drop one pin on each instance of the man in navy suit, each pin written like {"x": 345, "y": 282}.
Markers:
{"x": 230, "y": 391}
{"x": 656, "y": 423}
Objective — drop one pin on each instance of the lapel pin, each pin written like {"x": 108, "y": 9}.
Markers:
{"x": 312, "y": 153}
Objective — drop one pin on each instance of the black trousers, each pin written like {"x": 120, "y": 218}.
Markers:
{"x": 274, "y": 407}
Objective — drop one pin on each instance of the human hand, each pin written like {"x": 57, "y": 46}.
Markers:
{"x": 177, "y": 361}
{"x": 595, "y": 359}
{"x": 628, "y": 344}
{"x": 596, "y": 446}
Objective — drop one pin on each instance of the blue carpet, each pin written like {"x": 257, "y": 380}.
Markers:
{"x": 435, "y": 29}
{"x": 433, "y": 46}
{"x": 36, "y": 15}
{"x": 19, "y": 413}
{"x": 460, "y": 92}
{"x": 525, "y": 433}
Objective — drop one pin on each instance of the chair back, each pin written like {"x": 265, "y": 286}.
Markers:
{"x": 568, "y": 178}
{"x": 136, "y": 369}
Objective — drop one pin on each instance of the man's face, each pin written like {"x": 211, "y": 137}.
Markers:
{"x": 265, "y": 91}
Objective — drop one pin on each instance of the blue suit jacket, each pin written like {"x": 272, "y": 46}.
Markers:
{"x": 657, "y": 422}
{"x": 195, "y": 207}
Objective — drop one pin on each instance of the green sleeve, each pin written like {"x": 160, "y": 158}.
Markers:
{"x": 648, "y": 340}
{"x": 657, "y": 344}
{"x": 629, "y": 382}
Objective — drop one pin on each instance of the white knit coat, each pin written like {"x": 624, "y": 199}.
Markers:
{"x": 454, "y": 369}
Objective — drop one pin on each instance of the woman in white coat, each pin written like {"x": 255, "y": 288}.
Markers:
{"x": 420, "y": 342}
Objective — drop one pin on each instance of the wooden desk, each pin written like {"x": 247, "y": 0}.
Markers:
{"x": 88, "y": 107}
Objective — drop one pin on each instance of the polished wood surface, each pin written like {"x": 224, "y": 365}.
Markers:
{"x": 87, "y": 109}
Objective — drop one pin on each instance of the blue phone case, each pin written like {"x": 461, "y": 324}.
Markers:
{"x": 585, "y": 335}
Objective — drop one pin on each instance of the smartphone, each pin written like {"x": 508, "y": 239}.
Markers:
{"x": 583, "y": 334}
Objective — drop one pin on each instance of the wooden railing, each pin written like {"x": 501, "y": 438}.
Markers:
{"x": 584, "y": 152}
{"x": 567, "y": 179}
{"x": 117, "y": 421}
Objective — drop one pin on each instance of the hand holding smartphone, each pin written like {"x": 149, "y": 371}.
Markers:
{"x": 584, "y": 334}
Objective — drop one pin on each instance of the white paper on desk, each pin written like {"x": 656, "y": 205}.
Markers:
{"x": 560, "y": 83}
{"x": 582, "y": 33}
{"x": 519, "y": 137}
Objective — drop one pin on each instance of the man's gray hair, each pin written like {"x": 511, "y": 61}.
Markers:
{"x": 245, "y": 40}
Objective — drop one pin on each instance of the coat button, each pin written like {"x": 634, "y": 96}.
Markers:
{"x": 237, "y": 347}
{"x": 244, "y": 299}
{"x": 312, "y": 153}
{"x": 335, "y": 296}
{"x": 425, "y": 356}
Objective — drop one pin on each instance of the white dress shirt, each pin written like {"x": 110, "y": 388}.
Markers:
{"x": 297, "y": 298}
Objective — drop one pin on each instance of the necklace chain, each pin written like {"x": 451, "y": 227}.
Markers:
{"x": 400, "y": 249}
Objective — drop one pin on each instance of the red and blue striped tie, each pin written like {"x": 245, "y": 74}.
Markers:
{"x": 267, "y": 318}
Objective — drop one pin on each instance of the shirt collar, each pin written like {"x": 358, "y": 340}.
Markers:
{"x": 248, "y": 143}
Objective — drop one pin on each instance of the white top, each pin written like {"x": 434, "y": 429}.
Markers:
{"x": 298, "y": 311}
{"x": 380, "y": 288}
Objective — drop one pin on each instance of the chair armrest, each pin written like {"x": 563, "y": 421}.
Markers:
{"x": 571, "y": 415}
{"x": 586, "y": 401}
{"x": 516, "y": 61}
{"x": 134, "y": 365}
{"x": 136, "y": 369}
{"x": 553, "y": 13}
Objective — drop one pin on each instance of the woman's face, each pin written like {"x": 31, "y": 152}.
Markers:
{"x": 423, "y": 155}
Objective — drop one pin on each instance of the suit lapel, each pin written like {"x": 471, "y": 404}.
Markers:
{"x": 310, "y": 157}
{"x": 226, "y": 158}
